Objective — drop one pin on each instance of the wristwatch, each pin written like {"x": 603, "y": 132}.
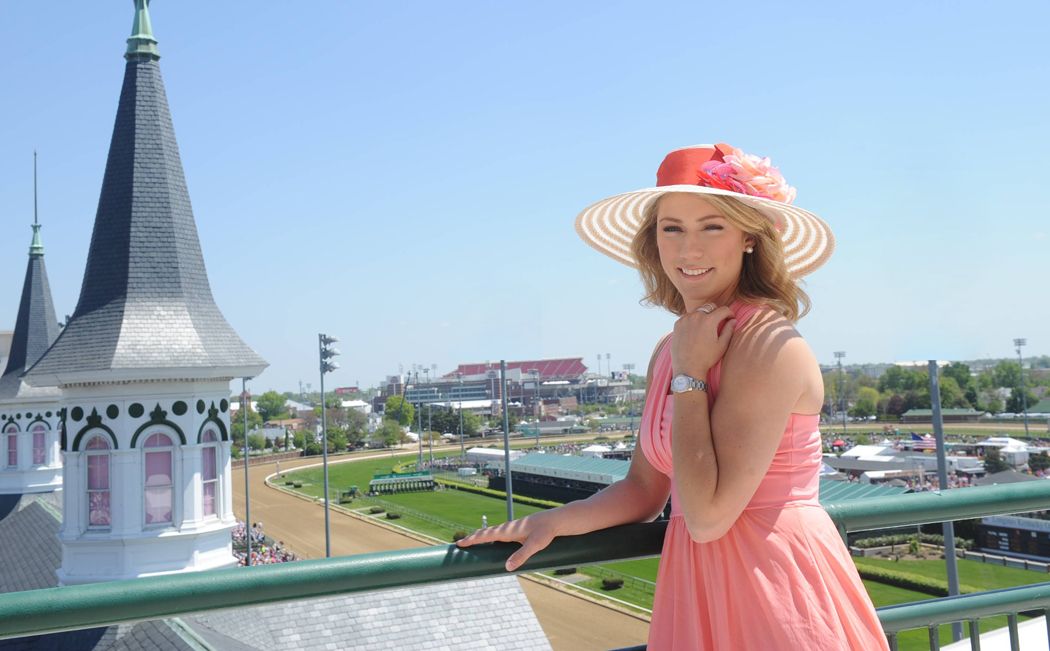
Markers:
{"x": 682, "y": 383}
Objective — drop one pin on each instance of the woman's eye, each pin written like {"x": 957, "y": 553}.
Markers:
{"x": 672, "y": 229}
{"x": 712, "y": 227}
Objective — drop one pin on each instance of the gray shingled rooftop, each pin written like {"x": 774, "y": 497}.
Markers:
{"x": 486, "y": 614}
{"x": 145, "y": 302}
{"x": 35, "y": 330}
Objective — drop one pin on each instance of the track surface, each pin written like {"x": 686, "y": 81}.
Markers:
{"x": 571, "y": 623}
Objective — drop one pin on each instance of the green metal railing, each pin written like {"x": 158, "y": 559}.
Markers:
{"x": 74, "y": 607}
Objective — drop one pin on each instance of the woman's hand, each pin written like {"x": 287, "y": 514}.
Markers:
{"x": 697, "y": 344}
{"x": 534, "y": 532}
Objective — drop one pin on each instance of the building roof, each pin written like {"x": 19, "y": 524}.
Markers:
{"x": 36, "y": 328}
{"x": 550, "y": 369}
{"x": 146, "y": 310}
{"x": 955, "y": 411}
{"x": 832, "y": 491}
{"x": 490, "y": 613}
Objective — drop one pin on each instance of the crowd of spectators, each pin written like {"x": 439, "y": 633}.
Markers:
{"x": 264, "y": 550}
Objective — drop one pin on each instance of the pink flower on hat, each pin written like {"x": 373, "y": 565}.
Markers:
{"x": 746, "y": 174}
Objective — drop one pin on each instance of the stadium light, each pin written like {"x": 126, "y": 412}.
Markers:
{"x": 326, "y": 353}
{"x": 1024, "y": 399}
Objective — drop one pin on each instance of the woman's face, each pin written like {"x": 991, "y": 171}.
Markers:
{"x": 701, "y": 251}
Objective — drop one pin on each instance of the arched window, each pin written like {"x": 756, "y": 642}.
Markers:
{"x": 98, "y": 482}
{"x": 11, "y": 436}
{"x": 39, "y": 444}
{"x": 210, "y": 472}
{"x": 159, "y": 494}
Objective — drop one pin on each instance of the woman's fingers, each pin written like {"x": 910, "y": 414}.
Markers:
{"x": 506, "y": 532}
{"x": 531, "y": 545}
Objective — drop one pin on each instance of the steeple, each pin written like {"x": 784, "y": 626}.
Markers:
{"x": 141, "y": 42}
{"x": 36, "y": 248}
{"x": 35, "y": 326}
{"x": 146, "y": 310}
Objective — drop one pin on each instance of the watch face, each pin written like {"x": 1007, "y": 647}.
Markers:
{"x": 680, "y": 383}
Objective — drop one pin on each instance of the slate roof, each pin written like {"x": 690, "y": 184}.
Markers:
{"x": 35, "y": 329}
{"x": 491, "y": 613}
{"x": 146, "y": 309}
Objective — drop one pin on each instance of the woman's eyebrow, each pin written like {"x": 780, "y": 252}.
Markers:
{"x": 669, "y": 218}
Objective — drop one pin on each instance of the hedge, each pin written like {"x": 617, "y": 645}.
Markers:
{"x": 488, "y": 492}
{"x": 909, "y": 581}
{"x": 905, "y": 538}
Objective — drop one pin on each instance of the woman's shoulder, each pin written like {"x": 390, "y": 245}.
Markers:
{"x": 768, "y": 337}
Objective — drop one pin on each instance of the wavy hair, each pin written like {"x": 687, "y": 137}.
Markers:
{"x": 763, "y": 278}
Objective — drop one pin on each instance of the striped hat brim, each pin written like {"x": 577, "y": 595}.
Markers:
{"x": 610, "y": 225}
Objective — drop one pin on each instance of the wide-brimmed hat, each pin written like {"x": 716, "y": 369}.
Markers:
{"x": 610, "y": 224}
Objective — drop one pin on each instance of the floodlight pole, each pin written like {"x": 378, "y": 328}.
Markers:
{"x": 942, "y": 476}
{"x": 1024, "y": 398}
{"x": 506, "y": 437}
{"x": 839, "y": 354}
{"x": 325, "y": 353}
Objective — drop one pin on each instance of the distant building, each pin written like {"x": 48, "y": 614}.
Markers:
{"x": 949, "y": 415}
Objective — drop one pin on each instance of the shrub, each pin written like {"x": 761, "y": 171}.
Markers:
{"x": 909, "y": 581}
{"x": 488, "y": 492}
{"x": 904, "y": 539}
{"x": 563, "y": 571}
{"x": 392, "y": 516}
{"x": 376, "y": 509}
{"x": 459, "y": 535}
{"x": 289, "y": 483}
{"x": 297, "y": 484}
{"x": 611, "y": 584}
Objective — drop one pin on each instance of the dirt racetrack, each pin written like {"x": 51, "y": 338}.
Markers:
{"x": 571, "y": 623}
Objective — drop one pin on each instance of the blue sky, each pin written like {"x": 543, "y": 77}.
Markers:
{"x": 405, "y": 175}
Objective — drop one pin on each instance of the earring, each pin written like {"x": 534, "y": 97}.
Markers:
{"x": 749, "y": 250}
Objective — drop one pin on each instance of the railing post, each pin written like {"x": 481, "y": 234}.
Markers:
{"x": 1015, "y": 640}
{"x": 975, "y": 635}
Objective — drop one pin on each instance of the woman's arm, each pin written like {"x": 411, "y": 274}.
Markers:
{"x": 720, "y": 460}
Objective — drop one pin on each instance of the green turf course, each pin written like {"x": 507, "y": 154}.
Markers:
{"x": 979, "y": 575}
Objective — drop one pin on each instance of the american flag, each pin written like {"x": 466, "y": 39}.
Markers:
{"x": 924, "y": 442}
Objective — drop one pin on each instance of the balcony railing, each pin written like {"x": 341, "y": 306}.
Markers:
{"x": 53, "y": 610}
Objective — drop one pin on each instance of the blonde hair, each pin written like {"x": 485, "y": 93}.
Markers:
{"x": 763, "y": 278}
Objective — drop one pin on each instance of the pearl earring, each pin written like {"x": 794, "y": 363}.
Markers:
{"x": 749, "y": 250}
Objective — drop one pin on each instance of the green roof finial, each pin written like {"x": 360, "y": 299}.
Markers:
{"x": 141, "y": 41}
{"x": 36, "y": 247}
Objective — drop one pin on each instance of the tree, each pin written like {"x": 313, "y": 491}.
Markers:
{"x": 356, "y": 427}
{"x": 1039, "y": 462}
{"x": 271, "y": 406}
{"x": 951, "y": 394}
{"x": 237, "y": 425}
{"x": 992, "y": 404}
{"x": 899, "y": 379}
{"x": 866, "y": 404}
{"x": 1007, "y": 374}
{"x": 389, "y": 433}
{"x": 1015, "y": 405}
{"x": 959, "y": 372}
{"x": 256, "y": 441}
{"x": 399, "y": 409}
{"x": 336, "y": 439}
{"x": 895, "y": 405}
{"x": 993, "y": 461}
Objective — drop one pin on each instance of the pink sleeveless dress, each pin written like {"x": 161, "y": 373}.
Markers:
{"x": 781, "y": 578}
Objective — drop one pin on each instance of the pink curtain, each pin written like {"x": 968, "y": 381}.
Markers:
{"x": 12, "y": 450}
{"x": 209, "y": 499}
{"x": 158, "y": 487}
{"x": 39, "y": 449}
{"x": 98, "y": 509}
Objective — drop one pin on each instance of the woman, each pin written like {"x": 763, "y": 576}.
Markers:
{"x": 750, "y": 559}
